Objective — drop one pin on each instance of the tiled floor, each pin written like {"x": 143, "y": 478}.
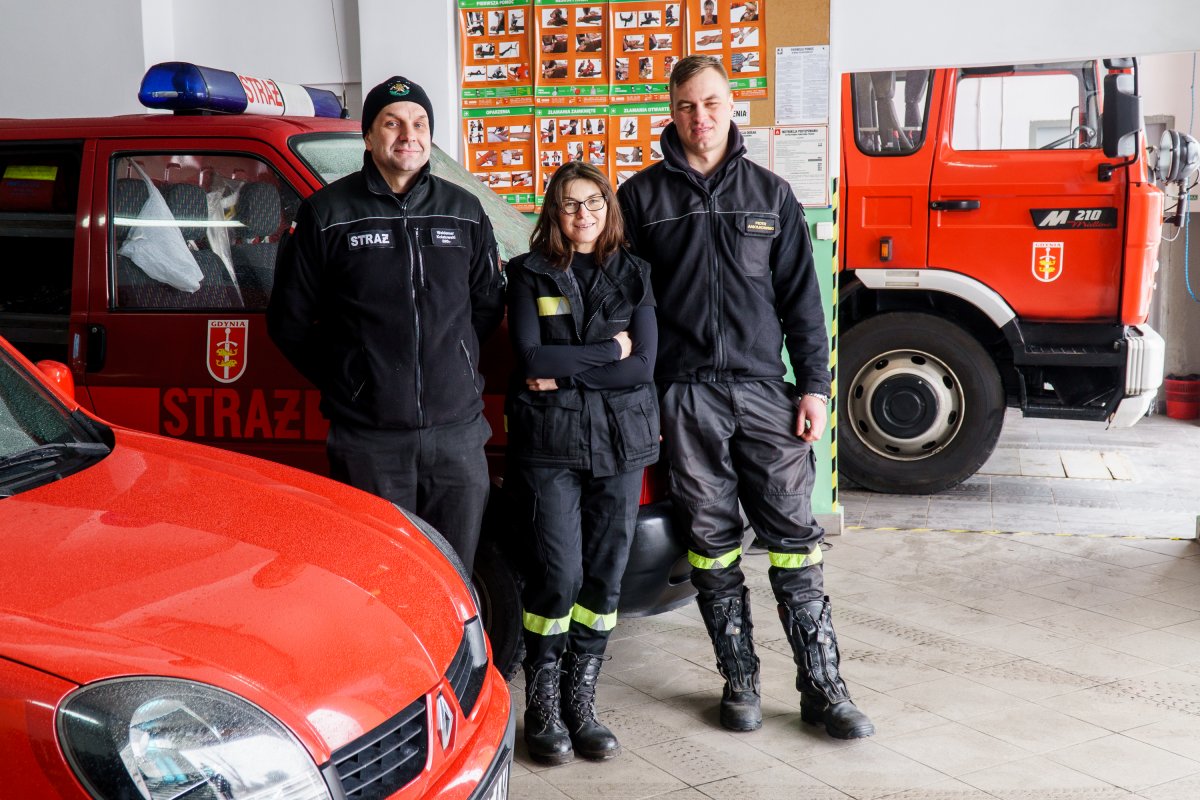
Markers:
{"x": 1021, "y": 664}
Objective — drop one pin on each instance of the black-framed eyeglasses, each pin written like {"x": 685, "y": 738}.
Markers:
{"x": 593, "y": 203}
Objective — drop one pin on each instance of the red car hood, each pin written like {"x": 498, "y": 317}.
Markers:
{"x": 311, "y": 599}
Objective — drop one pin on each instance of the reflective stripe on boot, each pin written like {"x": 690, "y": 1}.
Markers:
{"x": 590, "y": 738}
{"x": 824, "y": 697}
{"x": 731, "y": 630}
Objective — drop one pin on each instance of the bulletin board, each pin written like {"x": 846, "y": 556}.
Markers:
{"x": 611, "y": 61}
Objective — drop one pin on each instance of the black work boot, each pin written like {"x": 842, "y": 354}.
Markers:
{"x": 824, "y": 698}
{"x": 589, "y": 736}
{"x": 545, "y": 735}
{"x": 730, "y": 628}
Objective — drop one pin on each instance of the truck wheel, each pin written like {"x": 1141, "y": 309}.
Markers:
{"x": 499, "y": 590}
{"x": 921, "y": 404}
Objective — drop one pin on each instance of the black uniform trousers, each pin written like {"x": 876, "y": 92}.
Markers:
{"x": 726, "y": 441}
{"x": 581, "y": 528}
{"x": 440, "y": 473}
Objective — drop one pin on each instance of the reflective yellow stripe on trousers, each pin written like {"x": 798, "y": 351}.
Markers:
{"x": 545, "y": 626}
{"x": 590, "y": 619}
{"x": 720, "y": 562}
{"x": 795, "y": 560}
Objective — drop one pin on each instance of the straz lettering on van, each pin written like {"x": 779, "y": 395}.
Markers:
{"x": 1075, "y": 218}
{"x": 370, "y": 239}
{"x": 242, "y": 414}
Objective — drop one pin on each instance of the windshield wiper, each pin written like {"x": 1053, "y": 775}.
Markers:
{"x": 25, "y": 461}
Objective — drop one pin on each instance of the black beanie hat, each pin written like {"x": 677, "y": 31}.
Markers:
{"x": 394, "y": 90}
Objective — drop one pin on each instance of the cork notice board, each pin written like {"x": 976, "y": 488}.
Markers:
{"x": 791, "y": 23}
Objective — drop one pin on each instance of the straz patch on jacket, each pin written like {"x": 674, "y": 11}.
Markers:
{"x": 1073, "y": 218}
{"x": 759, "y": 225}
{"x": 364, "y": 239}
{"x": 1047, "y": 261}
{"x": 553, "y": 306}
{"x": 446, "y": 237}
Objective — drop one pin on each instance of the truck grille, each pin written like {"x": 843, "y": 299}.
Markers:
{"x": 378, "y": 763}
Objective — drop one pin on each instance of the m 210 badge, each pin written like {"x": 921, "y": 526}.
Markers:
{"x": 227, "y": 341}
{"x": 1073, "y": 218}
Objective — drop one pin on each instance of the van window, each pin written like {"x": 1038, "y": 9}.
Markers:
{"x": 891, "y": 111}
{"x": 39, "y": 194}
{"x": 195, "y": 230}
{"x": 1029, "y": 107}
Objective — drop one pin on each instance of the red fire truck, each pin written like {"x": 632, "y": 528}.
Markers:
{"x": 999, "y": 240}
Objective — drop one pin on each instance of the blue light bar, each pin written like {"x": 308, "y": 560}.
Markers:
{"x": 181, "y": 87}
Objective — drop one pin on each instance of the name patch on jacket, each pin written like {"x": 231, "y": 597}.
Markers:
{"x": 445, "y": 237}
{"x": 760, "y": 226}
{"x": 553, "y": 306}
{"x": 358, "y": 241}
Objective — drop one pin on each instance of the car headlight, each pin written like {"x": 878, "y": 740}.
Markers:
{"x": 159, "y": 738}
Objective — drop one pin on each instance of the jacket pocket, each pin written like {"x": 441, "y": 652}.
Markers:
{"x": 633, "y": 417}
{"x": 756, "y": 233}
{"x": 548, "y": 425}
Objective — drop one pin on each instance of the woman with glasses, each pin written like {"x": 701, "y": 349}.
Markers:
{"x": 582, "y": 425}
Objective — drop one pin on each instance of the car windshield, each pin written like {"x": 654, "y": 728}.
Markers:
{"x": 332, "y": 156}
{"x": 39, "y": 441}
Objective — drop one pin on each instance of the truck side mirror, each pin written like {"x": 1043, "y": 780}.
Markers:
{"x": 1122, "y": 118}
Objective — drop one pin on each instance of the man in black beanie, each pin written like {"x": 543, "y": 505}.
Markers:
{"x": 384, "y": 288}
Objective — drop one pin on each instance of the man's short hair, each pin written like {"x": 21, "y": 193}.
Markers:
{"x": 689, "y": 67}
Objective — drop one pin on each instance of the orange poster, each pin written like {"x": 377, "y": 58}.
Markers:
{"x": 500, "y": 150}
{"x": 633, "y": 134}
{"x": 571, "y": 55}
{"x": 571, "y": 133}
{"x": 495, "y": 52}
{"x": 647, "y": 40}
{"x": 733, "y": 31}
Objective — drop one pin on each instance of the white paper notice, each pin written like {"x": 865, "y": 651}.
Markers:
{"x": 758, "y": 145}
{"x": 802, "y": 85}
{"x": 801, "y": 158}
{"x": 741, "y": 114}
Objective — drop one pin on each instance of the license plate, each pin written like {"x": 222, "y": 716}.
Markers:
{"x": 499, "y": 788}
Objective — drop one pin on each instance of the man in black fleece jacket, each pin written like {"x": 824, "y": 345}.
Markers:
{"x": 384, "y": 288}
{"x": 732, "y": 270}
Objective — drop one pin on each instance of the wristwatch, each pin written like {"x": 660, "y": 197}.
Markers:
{"x": 824, "y": 398}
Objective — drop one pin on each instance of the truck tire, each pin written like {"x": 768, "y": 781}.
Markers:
{"x": 920, "y": 404}
{"x": 498, "y": 588}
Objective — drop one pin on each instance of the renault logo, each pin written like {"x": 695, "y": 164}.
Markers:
{"x": 445, "y": 721}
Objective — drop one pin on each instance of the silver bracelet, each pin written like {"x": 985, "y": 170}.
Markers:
{"x": 824, "y": 398}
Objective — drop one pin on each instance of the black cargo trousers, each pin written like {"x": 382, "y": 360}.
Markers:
{"x": 726, "y": 441}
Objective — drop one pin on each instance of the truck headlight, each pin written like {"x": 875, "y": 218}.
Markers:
{"x": 159, "y": 738}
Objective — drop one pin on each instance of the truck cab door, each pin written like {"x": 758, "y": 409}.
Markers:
{"x": 176, "y": 331}
{"x": 1018, "y": 198}
{"x": 886, "y": 164}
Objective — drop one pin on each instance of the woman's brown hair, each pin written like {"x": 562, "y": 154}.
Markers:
{"x": 548, "y": 238}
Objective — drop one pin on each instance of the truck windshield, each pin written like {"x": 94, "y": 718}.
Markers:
{"x": 332, "y": 156}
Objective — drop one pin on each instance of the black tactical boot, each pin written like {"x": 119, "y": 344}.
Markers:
{"x": 590, "y": 738}
{"x": 545, "y": 735}
{"x": 730, "y": 628}
{"x": 823, "y": 694}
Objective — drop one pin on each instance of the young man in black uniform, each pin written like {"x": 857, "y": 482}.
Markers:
{"x": 383, "y": 290}
{"x": 732, "y": 269}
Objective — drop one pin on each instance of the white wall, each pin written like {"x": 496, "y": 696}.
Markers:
{"x": 422, "y": 47}
{"x": 66, "y": 58}
{"x": 885, "y": 34}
